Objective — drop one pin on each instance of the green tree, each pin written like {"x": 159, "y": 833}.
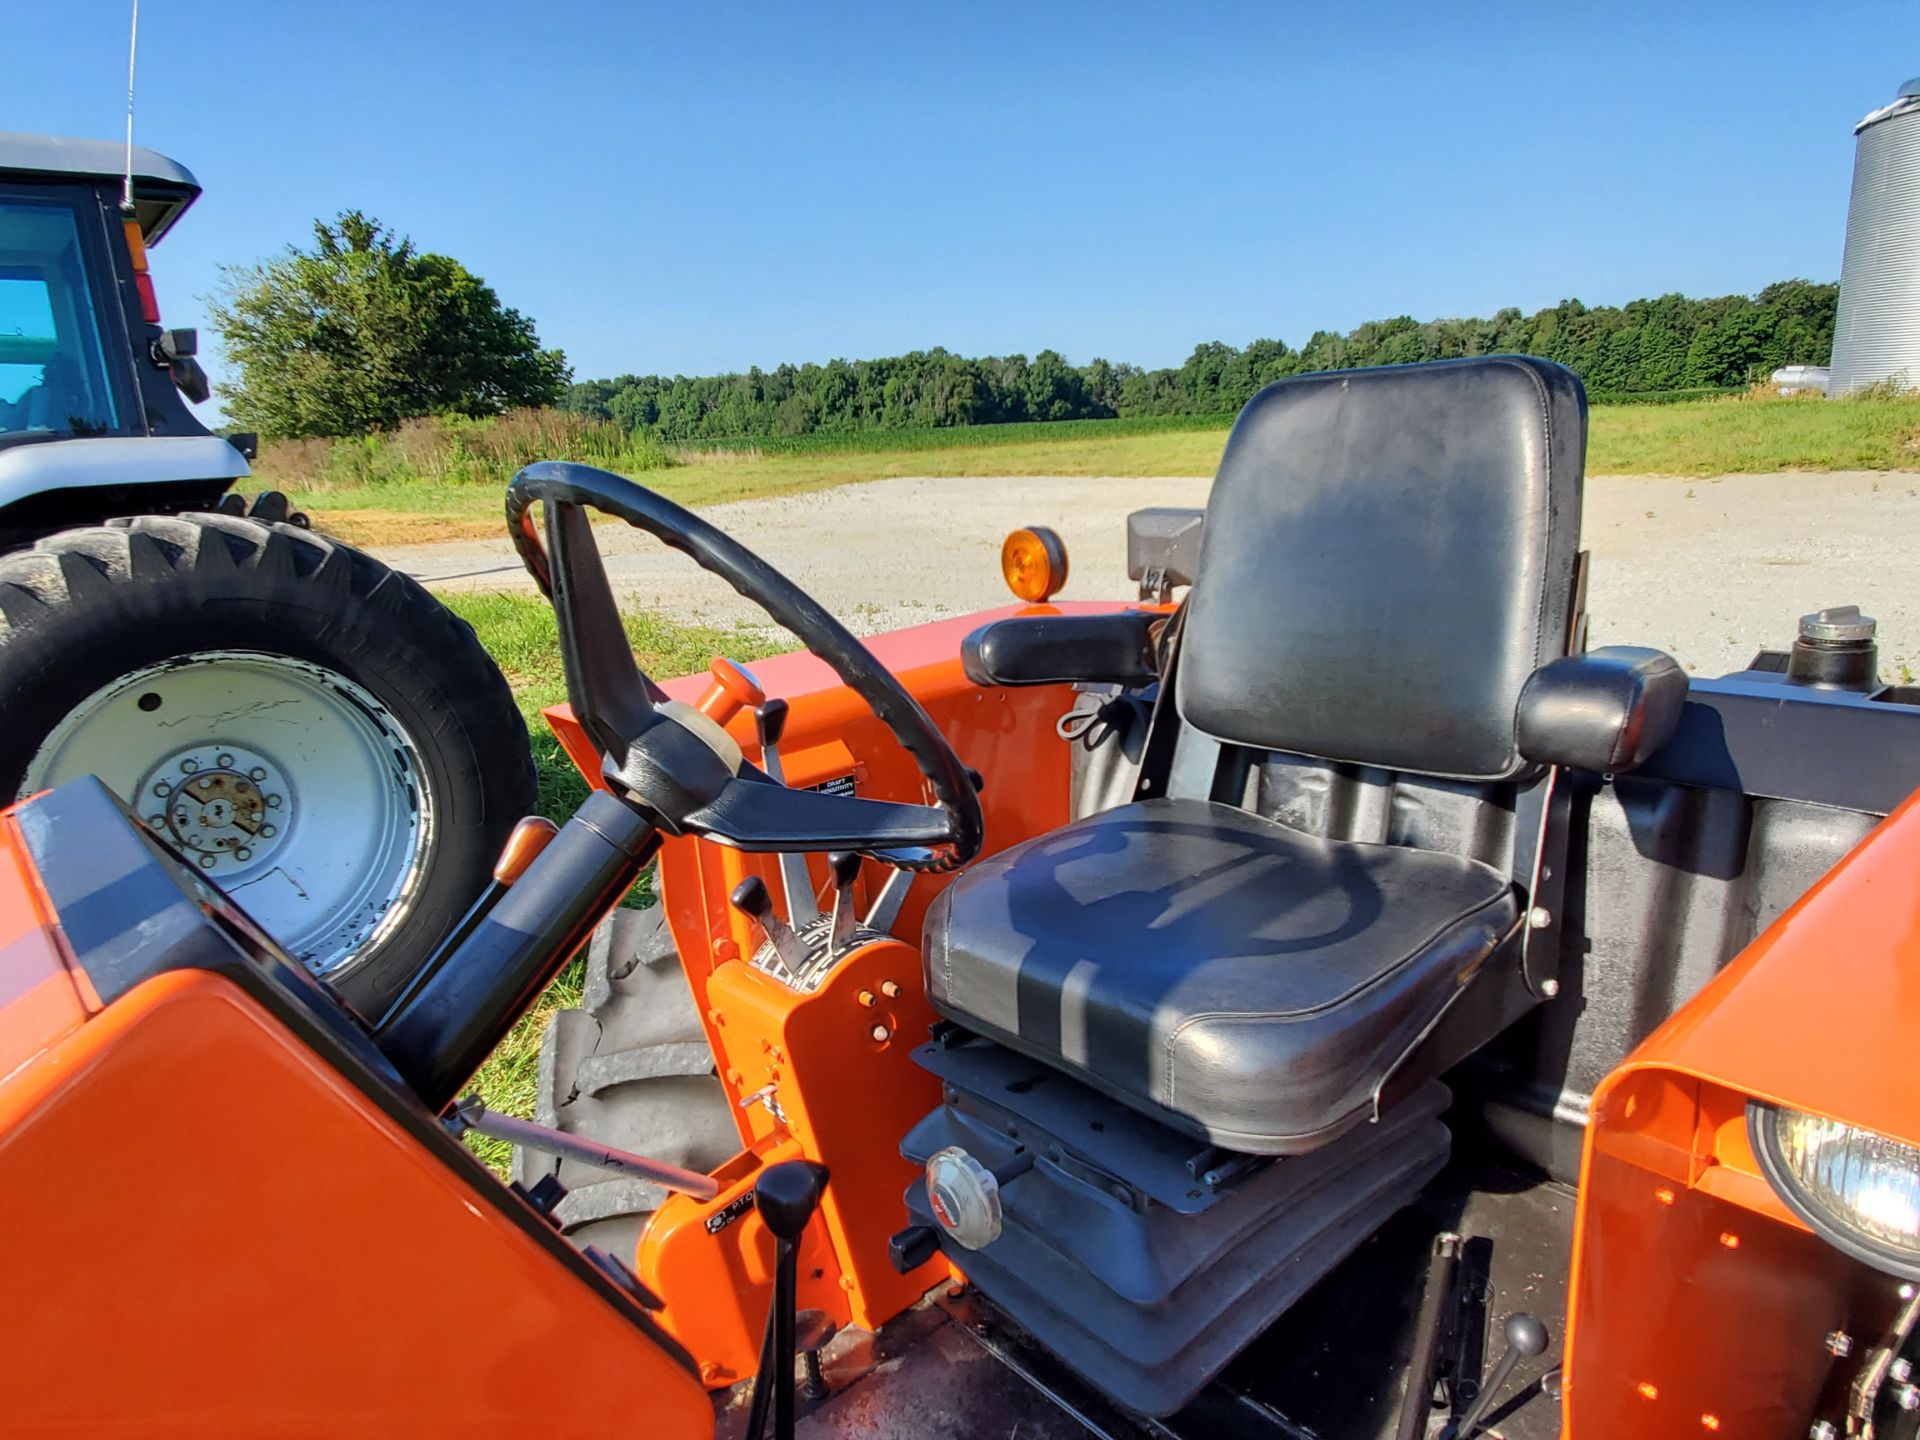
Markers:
{"x": 362, "y": 331}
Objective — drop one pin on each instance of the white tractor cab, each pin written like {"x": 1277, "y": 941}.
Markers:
{"x": 314, "y": 731}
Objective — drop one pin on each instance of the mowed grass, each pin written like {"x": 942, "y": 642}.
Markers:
{"x": 519, "y": 633}
{"x": 1729, "y": 435}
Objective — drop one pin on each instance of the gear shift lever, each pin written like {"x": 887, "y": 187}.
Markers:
{"x": 1525, "y": 1336}
{"x": 786, "y": 1195}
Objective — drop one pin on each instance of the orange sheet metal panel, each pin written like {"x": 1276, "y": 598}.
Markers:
{"x": 210, "y": 1232}
{"x": 1696, "y": 1292}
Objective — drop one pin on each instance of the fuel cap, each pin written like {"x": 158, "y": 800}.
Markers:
{"x": 964, "y": 1197}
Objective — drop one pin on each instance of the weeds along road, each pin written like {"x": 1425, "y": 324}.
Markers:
{"x": 1708, "y": 570}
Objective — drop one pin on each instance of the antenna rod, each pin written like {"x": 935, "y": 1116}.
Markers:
{"x": 133, "y": 46}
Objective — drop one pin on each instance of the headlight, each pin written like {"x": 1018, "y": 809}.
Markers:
{"x": 1859, "y": 1191}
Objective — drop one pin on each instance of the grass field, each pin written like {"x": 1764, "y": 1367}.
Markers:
{"x": 1732, "y": 435}
{"x": 519, "y": 633}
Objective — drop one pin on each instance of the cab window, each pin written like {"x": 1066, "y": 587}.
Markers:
{"x": 53, "y": 377}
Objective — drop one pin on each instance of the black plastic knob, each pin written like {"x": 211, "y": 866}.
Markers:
{"x": 787, "y": 1194}
{"x": 913, "y": 1247}
{"x": 770, "y": 722}
{"x": 751, "y": 899}
{"x": 845, "y": 867}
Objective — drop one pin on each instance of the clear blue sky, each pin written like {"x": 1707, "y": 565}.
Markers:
{"x": 696, "y": 188}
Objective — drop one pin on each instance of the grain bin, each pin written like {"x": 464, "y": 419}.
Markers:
{"x": 1877, "y": 336}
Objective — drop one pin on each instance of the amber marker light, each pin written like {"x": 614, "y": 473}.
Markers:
{"x": 1035, "y": 563}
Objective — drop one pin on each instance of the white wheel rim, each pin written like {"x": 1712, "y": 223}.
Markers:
{"x": 291, "y": 787}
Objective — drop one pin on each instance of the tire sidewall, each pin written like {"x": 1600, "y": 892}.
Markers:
{"x": 380, "y": 630}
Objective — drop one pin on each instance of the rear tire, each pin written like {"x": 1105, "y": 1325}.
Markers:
{"x": 630, "y": 1068}
{"x": 440, "y": 741}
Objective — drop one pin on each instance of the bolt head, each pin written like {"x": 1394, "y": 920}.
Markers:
{"x": 1822, "y": 1430}
{"x": 1901, "y": 1370}
{"x": 881, "y": 1034}
{"x": 1539, "y": 917}
{"x": 267, "y": 831}
{"x": 1549, "y": 988}
{"x": 189, "y": 765}
{"x": 156, "y": 822}
{"x": 1840, "y": 1345}
{"x": 225, "y": 762}
{"x": 257, "y": 773}
{"x": 274, "y": 801}
{"x": 162, "y": 788}
{"x": 206, "y": 862}
{"x": 1907, "y": 1397}
{"x": 243, "y": 853}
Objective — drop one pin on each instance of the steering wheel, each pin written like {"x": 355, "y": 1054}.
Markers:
{"x": 677, "y": 767}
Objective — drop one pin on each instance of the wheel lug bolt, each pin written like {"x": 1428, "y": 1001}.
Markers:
{"x": 267, "y": 831}
{"x": 274, "y": 801}
{"x": 206, "y": 862}
{"x": 257, "y": 773}
{"x": 163, "y": 788}
{"x": 156, "y": 822}
{"x": 189, "y": 765}
{"x": 223, "y": 761}
{"x": 243, "y": 853}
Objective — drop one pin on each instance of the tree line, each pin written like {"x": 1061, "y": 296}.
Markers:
{"x": 1644, "y": 347}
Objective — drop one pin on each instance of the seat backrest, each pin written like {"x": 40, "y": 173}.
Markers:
{"x": 1389, "y": 554}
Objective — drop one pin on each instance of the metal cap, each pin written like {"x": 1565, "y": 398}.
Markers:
{"x": 1837, "y": 622}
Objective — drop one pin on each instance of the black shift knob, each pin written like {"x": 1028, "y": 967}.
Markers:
{"x": 750, "y": 897}
{"x": 845, "y": 867}
{"x": 770, "y": 722}
{"x": 787, "y": 1194}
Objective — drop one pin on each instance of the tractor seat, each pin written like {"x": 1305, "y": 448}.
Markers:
{"x": 1387, "y": 581}
{"x": 1249, "y": 982}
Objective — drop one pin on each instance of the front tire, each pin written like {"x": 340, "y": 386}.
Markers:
{"x": 323, "y": 738}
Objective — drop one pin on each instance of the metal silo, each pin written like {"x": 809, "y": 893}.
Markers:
{"x": 1877, "y": 336}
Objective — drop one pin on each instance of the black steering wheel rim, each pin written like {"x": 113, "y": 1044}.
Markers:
{"x": 558, "y": 483}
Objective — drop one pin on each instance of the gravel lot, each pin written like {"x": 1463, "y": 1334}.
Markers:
{"x": 1708, "y": 570}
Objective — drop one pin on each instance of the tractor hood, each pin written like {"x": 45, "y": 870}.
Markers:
{"x": 162, "y": 188}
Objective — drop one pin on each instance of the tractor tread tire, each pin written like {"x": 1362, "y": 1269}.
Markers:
{"x": 83, "y": 605}
{"x": 631, "y": 1068}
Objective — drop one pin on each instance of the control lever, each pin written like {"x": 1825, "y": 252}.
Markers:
{"x": 845, "y": 867}
{"x": 769, "y": 724}
{"x": 886, "y": 905}
{"x": 786, "y": 1195}
{"x": 751, "y": 899}
{"x": 472, "y": 1114}
{"x": 1526, "y": 1336}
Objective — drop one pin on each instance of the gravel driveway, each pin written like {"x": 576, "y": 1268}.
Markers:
{"x": 1709, "y": 570}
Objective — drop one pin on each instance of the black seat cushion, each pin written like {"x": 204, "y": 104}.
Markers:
{"x": 1237, "y": 978}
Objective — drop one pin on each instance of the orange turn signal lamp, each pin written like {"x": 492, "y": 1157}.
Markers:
{"x": 142, "y": 281}
{"x": 1034, "y": 561}
{"x": 523, "y": 846}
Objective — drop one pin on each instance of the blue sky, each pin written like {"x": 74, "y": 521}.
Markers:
{"x": 699, "y": 188}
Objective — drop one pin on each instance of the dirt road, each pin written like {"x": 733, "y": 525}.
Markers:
{"x": 1706, "y": 569}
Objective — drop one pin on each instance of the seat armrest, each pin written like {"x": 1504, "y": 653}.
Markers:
{"x": 1114, "y": 649}
{"x": 1607, "y": 710}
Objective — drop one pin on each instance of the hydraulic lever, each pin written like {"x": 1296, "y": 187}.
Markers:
{"x": 845, "y": 866}
{"x": 769, "y": 723}
{"x": 751, "y": 899}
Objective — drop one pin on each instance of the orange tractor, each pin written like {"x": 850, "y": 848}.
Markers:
{"x": 1320, "y": 998}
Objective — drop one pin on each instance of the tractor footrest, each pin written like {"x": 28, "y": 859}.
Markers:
{"x": 1136, "y": 1272}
